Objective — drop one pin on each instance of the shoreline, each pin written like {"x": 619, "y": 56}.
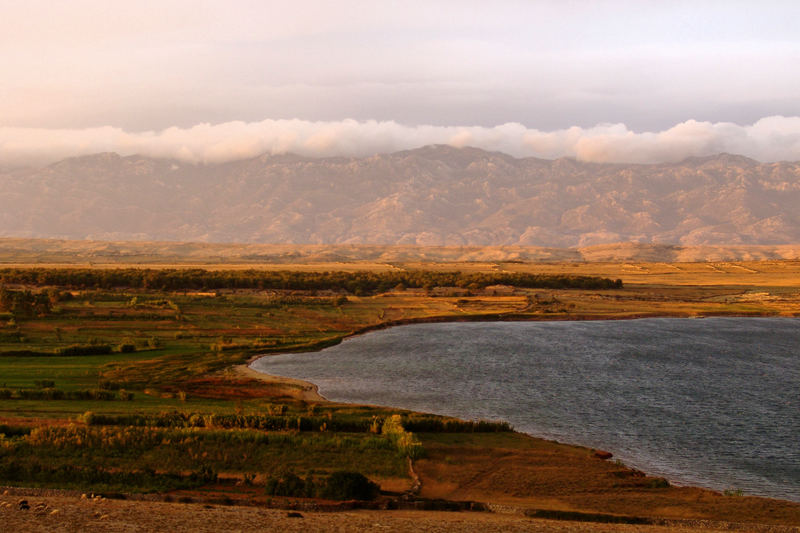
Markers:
{"x": 308, "y": 391}
{"x": 311, "y": 390}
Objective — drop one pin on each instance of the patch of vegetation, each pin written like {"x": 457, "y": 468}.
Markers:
{"x": 405, "y": 441}
{"x": 43, "y": 474}
{"x": 658, "y": 483}
{"x": 438, "y": 424}
{"x": 357, "y": 282}
{"x": 276, "y": 422}
{"x": 340, "y": 485}
{"x": 48, "y": 394}
{"x": 15, "y": 431}
{"x": 84, "y": 349}
{"x": 47, "y": 454}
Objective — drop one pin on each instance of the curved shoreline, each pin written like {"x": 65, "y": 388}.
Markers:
{"x": 483, "y": 318}
{"x": 310, "y": 391}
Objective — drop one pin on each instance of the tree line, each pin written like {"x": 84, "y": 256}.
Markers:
{"x": 356, "y": 282}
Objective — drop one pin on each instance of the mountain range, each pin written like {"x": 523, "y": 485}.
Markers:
{"x": 433, "y": 196}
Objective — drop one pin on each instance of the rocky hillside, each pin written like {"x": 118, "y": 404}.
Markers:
{"x": 436, "y": 195}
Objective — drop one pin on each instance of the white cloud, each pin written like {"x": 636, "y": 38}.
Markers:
{"x": 769, "y": 139}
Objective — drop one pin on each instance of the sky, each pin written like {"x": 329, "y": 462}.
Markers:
{"x": 639, "y": 81}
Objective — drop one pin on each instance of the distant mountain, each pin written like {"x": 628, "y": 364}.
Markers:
{"x": 435, "y": 195}
{"x": 18, "y": 251}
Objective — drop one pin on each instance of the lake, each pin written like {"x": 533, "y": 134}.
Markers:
{"x": 713, "y": 402}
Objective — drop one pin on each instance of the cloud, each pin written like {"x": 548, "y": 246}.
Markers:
{"x": 769, "y": 139}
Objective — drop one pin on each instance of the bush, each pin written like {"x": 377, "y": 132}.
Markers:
{"x": 204, "y": 475}
{"x": 53, "y": 394}
{"x": 288, "y": 484}
{"x": 435, "y": 424}
{"x": 127, "y": 348}
{"x": 338, "y": 486}
{"x": 14, "y": 431}
{"x": 658, "y": 483}
{"x": 85, "y": 349}
{"x": 125, "y": 396}
{"x": 41, "y": 473}
{"x": 107, "y": 384}
{"x": 45, "y": 383}
{"x": 349, "y": 486}
{"x": 87, "y": 418}
{"x": 58, "y": 394}
{"x": 404, "y": 441}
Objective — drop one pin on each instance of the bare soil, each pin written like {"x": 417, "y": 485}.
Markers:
{"x": 72, "y": 514}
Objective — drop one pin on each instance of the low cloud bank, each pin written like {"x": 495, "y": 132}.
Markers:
{"x": 769, "y": 139}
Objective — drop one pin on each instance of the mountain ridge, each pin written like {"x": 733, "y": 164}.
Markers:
{"x": 434, "y": 195}
{"x": 19, "y": 251}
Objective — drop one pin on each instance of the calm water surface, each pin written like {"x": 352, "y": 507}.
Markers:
{"x": 712, "y": 402}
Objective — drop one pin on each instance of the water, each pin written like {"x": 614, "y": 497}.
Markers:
{"x": 712, "y": 402}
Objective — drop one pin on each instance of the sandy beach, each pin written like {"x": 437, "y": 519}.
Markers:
{"x": 297, "y": 388}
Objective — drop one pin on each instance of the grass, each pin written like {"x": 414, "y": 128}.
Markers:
{"x": 183, "y": 449}
{"x": 179, "y": 363}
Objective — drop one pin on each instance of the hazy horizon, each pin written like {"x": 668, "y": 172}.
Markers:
{"x": 160, "y": 156}
{"x": 621, "y": 81}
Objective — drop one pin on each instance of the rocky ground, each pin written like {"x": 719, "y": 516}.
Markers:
{"x": 85, "y": 514}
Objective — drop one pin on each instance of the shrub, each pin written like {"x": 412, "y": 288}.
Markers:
{"x": 658, "y": 483}
{"x": 15, "y": 431}
{"x": 349, "y": 486}
{"x": 45, "y": 383}
{"x": 127, "y": 348}
{"x": 405, "y": 441}
{"x": 87, "y": 418}
{"x": 57, "y": 394}
{"x": 106, "y": 384}
{"x": 85, "y": 349}
{"x": 125, "y": 396}
{"x": 287, "y": 484}
{"x": 435, "y": 424}
{"x": 53, "y": 394}
{"x": 204, "y": 475}
{"x": 95, "y": 394}
{"x": 41, "y": 473}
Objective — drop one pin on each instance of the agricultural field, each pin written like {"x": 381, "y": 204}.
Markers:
{"x": 127, "y": 381}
